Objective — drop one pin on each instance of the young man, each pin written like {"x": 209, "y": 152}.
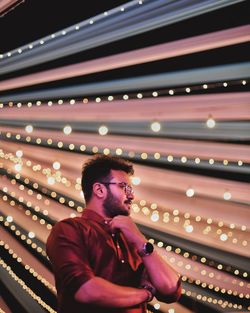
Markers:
{"x": 101, "y": 261}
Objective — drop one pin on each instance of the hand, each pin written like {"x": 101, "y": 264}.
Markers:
{"x": 126, "y": 225}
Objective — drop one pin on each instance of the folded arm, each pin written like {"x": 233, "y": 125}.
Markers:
{"x": 163, "y": 277}
{"x": 104, "y": 293}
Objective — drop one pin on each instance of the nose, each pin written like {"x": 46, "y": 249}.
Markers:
{"x": 131, "y": 196}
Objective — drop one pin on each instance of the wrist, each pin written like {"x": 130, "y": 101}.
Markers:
{"x": 140, "y": 242}
{"x": 150, "y": 292}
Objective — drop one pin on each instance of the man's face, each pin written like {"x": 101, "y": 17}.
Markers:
{"x": 118, "y": 201}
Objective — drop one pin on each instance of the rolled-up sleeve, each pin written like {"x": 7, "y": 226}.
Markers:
{"x": 67, "y": 250}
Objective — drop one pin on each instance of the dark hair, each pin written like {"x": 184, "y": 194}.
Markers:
{"x": 98, "y": 168}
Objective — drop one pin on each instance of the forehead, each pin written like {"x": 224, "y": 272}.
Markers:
{"x": 119, "y": 176}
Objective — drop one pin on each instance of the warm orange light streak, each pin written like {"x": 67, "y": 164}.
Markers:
{"x": 41, "y": 179}
{"x": 25, "y": 221}
{"x": 163, "y": 51}
{"x": 167, "y": 190}
{"x": 218, "y": 210}
{"x": 167, "y": 180}
{"x": 27, "y": 257}
{"x": 7, "y": 5}
{"x": 221, "y": 279}
{"x": 207, "y": 187}
{"x": 164, "y": 146}
{"x": 6, "y": 309}
{"x": 211, "y": 238}
{"x": 165, "y": 307}
{"x": 223, "y": 106}
{"x": 55, "y": 210}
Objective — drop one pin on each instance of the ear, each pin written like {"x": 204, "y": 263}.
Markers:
{"x": 99, "y": 190}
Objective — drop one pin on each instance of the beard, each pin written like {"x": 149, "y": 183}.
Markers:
{"x": 113, "y": 207}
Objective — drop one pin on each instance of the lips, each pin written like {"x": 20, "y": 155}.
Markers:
{"x": 129, "y": 202}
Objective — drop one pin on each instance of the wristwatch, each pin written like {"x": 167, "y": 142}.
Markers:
{"x": 147, "y": 249}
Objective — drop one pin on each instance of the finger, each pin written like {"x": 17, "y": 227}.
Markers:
{"x": 113, "y": 225}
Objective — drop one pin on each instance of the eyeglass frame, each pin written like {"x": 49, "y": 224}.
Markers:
{"x": 126, "y": 187}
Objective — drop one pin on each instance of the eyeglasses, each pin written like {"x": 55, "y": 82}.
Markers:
{"x": 127, "y": 188}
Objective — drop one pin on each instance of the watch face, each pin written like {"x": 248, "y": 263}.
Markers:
{"x": 149, "y": 248}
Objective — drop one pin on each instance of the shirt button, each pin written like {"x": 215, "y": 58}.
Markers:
{"x": 118, "y": 246}
{"x": 113, "y": 235}
{"x": 122, "y": 261}
{"x": 106, "y": 222}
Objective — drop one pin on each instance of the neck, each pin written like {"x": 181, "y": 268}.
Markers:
{"x": 97, "y": 207}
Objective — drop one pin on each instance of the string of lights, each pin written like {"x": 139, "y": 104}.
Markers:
{"x": 101, "y": 29}
{"x": 69, "y": 31}
{"x": 168, "y": 248}
{"x": 34, "y": 217}
{"x": 25, "y": 238}
{"x": 207, "y": 269}
{"x": 215, "y": 287}
{"x": 176, "y": 91}
{"x": 27, "y": 267}
{"x": 190, "y": 223}
{"x": 157, "y": 157}
{"x": 53, "y": 175}
{"x": 201, "y": 259}
{"x": 41, "y": 201}
{"x": 55, "y": 195}
{"x": 164, "y": 129}
{"x": 184, "y": 278}
{"x": 25, "y": 287}
{"x": 70, "y": 181}
{"x": 212, "y": 300}
{"x": 155, "y": 216}
{"x": 77, "y": 205}
{"x": 176, "y": 105}
{"x": 144, "y": 55}
{"x": 195, "y": 76}
{"x": 29, "y": 211}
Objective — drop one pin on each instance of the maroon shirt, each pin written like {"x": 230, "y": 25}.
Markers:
{"x": 83, "y": 247}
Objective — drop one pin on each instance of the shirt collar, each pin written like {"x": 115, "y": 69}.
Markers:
{"x": 94, "y": 216}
